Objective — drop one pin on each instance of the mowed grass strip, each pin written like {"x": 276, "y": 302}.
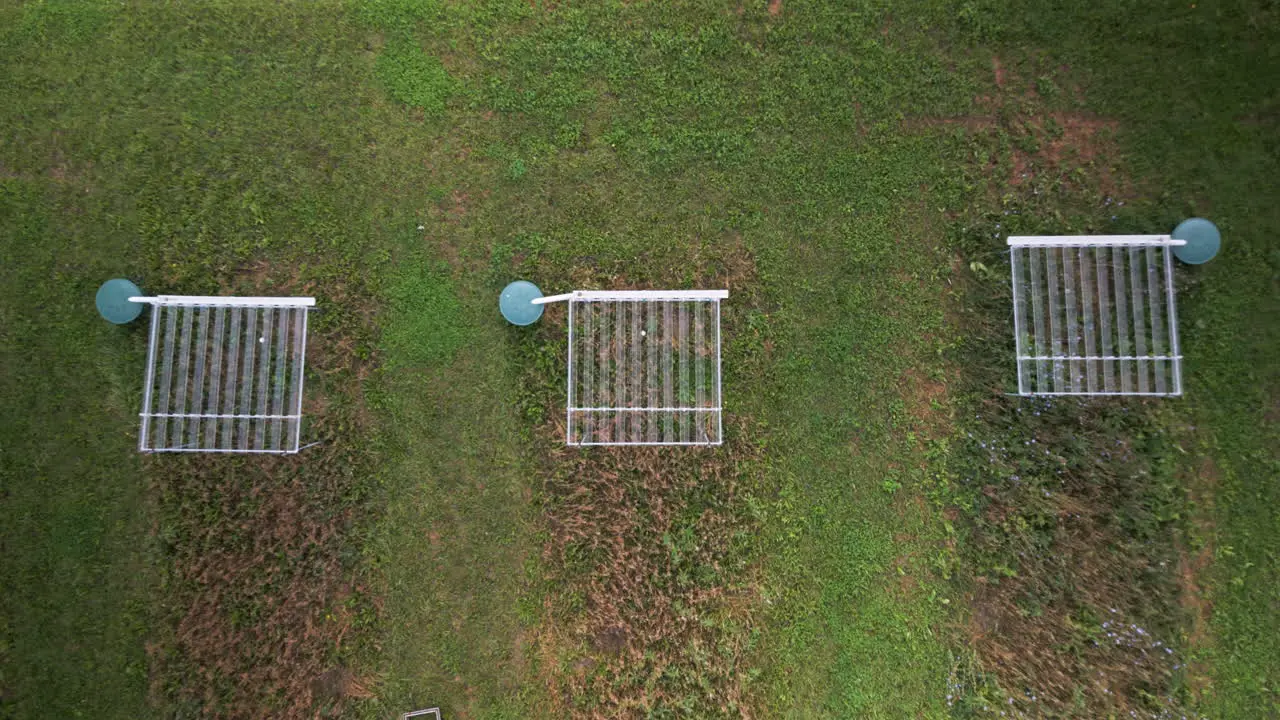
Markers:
{"x": 1086, "y": 133}
{"x": 629, "y": 147}
{"x": 195, "y": 150}
{"x": 79, "y": 567}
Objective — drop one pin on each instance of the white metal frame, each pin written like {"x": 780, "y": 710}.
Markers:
{"x": 433, "y": 713}
{"x": 643, "y": 367}
{"x": 201, "y": 408}
{"x": 1102, "y": 318}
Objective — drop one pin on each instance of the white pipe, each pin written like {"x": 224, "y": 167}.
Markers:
{"x": 1091, "y": 240}
{"x": 650, "y": 294}
{"x": 551, "y": 299}
{"x": 226, "y": 301}
{"x": 634, "y": 295}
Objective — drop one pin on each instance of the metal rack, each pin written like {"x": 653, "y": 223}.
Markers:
{"x": 1095, "y": 315}
{"x": 224, "y": 374}
{"x": 644, "y": 367}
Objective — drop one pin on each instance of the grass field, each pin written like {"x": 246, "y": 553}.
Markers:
{"x": 885, "y": 533}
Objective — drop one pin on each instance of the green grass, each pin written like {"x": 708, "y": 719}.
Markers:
{"x": 78, "y": 573}
{"x": 413, "y": 77}
{"x": 1197, "y": 132}
{"x": 402, "y": 160}
{"x": 641, "y": 160}
{"x": 453, "y": 545}
{"x": 193, "y": 150}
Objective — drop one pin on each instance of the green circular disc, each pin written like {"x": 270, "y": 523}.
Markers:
{"x": 113, "y": 301}
{"x": 516, "y": 303}
{"x": 1203, "y": 241}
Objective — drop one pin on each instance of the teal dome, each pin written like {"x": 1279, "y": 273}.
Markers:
{"x": 113, "y": 301}
{"x": 516, "y": 303}
{"x": 1203, "y": 241}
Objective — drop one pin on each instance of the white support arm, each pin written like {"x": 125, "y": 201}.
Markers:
{"x": 551, "y": 299}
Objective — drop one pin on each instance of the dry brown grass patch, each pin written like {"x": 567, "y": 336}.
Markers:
{"x": 261, "y": 594}
{"x": 1193, "y": 566}
{"x": 648, "y": 610}
{"x": 263, "y": 602}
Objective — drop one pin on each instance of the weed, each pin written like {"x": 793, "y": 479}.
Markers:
{"x": 414, "y": 77}
{"x": 425, "y": 325}
{"x": 400, "y": 16}
{"x": 53, "y": 22}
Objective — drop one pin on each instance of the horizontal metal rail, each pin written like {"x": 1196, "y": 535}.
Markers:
{"x": 623, "y": 442}
{"x": 1107, "y": 394}
{"x": 633, "y": 295}
{"x": 1099, "y": 357}
{"x": 220, "y": 417}
{"x": 220, "y": 450}
{"x": 1093, "y": 241}
{"x": 645, "y": 409}
{"x": 217, "y": 301}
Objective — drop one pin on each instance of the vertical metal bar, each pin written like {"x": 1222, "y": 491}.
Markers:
{"x": 1174, "y": 349}
{"x": 652, "y": 347}
{"x": 295, "y": 379}
{"x": 1104, "y": 317}
{"x": 684, "y": 392}
{"x": 700, "y": 417}
{"x": 1086, "y": 309}
{"x": 184, "y": 377}
{"x": 144, "y": 439}
{"x": 277, "y": 387}
{"x": 1018, "y": 312}
{"x": 1038, "y": 321}
{"x": 1139, "y": 328}
{"x": 1119, "y": 257}
{"x": 197, "y": 386}
{"x": 1058, "y": 349}
{"x": 588, "y": 372}
{"x": 1154, "y": 299}
{"x": 619, "y": 372}
{"x": 637, "y": 377}
{"x": 264, "y": 379}
{"x": 668, "y": 370}
{"x": 215, "y": 378}
{"x": 233, "y": 367}
{"x": 602, "y": 367}
{"x": 719, "y": 399}
{"x": 1072, "y": 325}
{"x": 302, "y": 368}
{"x": 568, "y": 411}
{"x": 161, "y": 439}
{"x": 246, "y": 389}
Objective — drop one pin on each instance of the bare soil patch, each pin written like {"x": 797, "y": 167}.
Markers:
{"x": 1044, "y": 142}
